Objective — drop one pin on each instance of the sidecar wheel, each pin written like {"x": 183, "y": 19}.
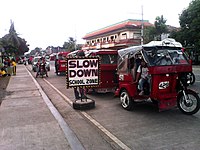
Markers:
{"x": 126, "y": 100}
{"x": 192, "y": 106}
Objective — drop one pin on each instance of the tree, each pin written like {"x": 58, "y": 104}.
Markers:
{"x": 160, "y": 26}
{"x": 155, "y": 32}
{"x": 13, "y": 44}
{"x": 71, "y": 45}
{"x": 189, "y": 22}
{"x": 149, "y": 34}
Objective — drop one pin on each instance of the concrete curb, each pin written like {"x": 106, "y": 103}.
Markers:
{"x": 75, "y": 144}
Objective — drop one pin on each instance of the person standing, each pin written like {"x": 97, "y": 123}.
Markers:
{"x": 14, "y": 64}
{"x": 56, "y": 65}
{"x": 5, "y": 63}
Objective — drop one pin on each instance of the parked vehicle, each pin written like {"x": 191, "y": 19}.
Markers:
{"x": 47, "y": 57}
{"x": 167, "y": 86}
{"x": 108, "y": 69}
{"x": 20, "y": 59}
{"x": 30, "y": 59}
{"x": 53, "y": 57}
{"x": 34, "y": 64}
{"x": 60, "y": 62}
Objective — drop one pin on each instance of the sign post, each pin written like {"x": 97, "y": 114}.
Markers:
{"x": 83, "y": 72}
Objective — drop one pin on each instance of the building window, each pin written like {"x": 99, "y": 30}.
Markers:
{"x": 112, "y": 38}
{"x": 137, "y": 35}
{"x": 124, "y": 36}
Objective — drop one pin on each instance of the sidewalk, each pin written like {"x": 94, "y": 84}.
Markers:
{"x": 196, "y": 67}
{"x": 26, "y": 120}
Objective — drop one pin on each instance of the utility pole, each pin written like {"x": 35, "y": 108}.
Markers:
{"x": 142, "y": 29}
{"x": 142, "y": 26}
{"x": 75, "y": 39}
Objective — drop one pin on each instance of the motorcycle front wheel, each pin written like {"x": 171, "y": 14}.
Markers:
{"x": 189, "y": 104}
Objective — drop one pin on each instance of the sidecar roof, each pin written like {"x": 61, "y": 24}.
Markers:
{"x": 169, "y": 42}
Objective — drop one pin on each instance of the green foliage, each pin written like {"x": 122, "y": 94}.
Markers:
{"x": 160, "y": 26}
{"x": 154, "y": 33}
{"x": 189, "y": 22}
{"x": 149, "y": 34}
{"x": 71, "y": 45}
{"x": 178, "y": 35}
{"x": 13, "y": 44}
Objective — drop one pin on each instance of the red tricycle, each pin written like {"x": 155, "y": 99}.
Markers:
{"x": 108, "y": 69}
{"x": 60, "y": 62}
{"x": 166, "y": 83}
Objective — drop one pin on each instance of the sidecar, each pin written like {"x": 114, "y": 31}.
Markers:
{"x": 167, "y": 83}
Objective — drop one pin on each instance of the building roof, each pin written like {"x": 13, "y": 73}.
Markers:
{"x": 119, "y": 25}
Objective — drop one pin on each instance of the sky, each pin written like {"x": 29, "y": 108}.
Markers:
{"x": 45, "y": 23}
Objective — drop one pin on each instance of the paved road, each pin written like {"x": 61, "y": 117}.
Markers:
{"x": 108, "y": 126}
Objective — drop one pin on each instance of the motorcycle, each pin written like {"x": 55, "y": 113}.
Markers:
{"x": 42, "y": 70}
{"x": 167, "y": 86}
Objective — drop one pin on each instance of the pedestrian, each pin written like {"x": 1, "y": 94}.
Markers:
{"x": 39, "y": 62}
{"x": 14, "y": 65}
{"x": 5, "y": 63}
{"x": 9, "y": 67}
{"x": 2, "y": 72}
{"x": 44, "y": 65}
{"x": 56, "y": 65}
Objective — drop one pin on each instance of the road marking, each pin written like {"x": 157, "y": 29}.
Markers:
{"x": 97, "y": 124}
{"x": 105, "y": 131}
{"x": 65, "y": 97}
